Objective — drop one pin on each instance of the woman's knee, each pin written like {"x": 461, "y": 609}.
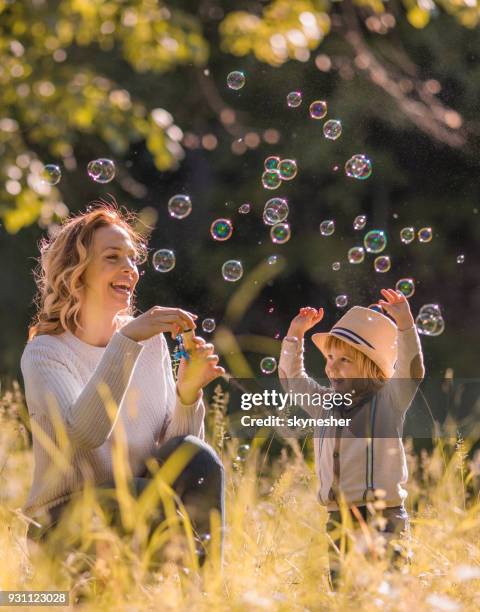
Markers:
{"x": 201, "y": 451}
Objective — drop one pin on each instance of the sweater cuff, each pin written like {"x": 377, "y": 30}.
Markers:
{"x": 187, "y": 418}
{"x": 409, "y": 337}
{"x": 292, "y": 346}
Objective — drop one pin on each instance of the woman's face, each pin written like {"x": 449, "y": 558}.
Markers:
{"x": 112, "y": 274}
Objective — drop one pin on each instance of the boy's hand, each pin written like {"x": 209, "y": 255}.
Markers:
{"x": 398, "y": 308}
{"x": 306, "y": 319}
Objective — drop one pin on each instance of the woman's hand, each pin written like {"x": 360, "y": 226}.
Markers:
{"x": 306, "y": 319}
{"x": 156, "y": 320}
{"x": 198, "y": 371}
{"x": 397, "y": 306}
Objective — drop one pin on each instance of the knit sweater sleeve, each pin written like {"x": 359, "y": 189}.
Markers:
{"x": 409, "y": 369}
{"x": 182, "y": 419}
{"x": 294, "y": 378}
{"x": 51, "y": 384}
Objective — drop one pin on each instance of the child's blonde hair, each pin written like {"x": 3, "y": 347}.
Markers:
{"x": 369, "y": 371}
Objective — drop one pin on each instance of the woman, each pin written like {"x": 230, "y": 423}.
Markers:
{"x": 86, "y": 352}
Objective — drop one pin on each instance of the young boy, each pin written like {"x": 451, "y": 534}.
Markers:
{"x": 381, "y": 364}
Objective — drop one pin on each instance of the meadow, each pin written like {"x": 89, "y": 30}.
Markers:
{"x": 275, "y": 548}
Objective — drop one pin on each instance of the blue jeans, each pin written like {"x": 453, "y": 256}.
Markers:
{"x": 200, "y": 486}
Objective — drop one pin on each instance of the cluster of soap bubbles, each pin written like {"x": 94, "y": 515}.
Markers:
{"x": 276, "y": 210}
{"x": 407, "y": 234}
{"x": 268, "y": 365}
{"x": 429, "y": 320}
{"x": 278, "y": 170}
{"x": 221, "y": 229}
{"x": 327, "y": 227}
{"x": 332, "y": 129}
{"x": 236, "y": 79}
{"x": 100, "y": 170}
{"x": 179, "y": 206}
{"x": 358, "y": 167}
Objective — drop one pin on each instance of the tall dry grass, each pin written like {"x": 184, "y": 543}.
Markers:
{"x": 275, "y": 552}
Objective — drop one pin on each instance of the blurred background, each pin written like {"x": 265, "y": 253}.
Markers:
{"x": 144, "y": 84}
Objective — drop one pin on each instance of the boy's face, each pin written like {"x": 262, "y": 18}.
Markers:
{"x": 341, "y": 368}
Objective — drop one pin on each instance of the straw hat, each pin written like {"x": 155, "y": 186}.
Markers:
{"x": 368, "y": 331}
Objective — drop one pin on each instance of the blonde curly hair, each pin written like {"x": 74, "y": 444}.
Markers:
{"x": 63, "y": 260}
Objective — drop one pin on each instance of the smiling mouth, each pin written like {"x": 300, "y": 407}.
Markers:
{"x": 121, "y": 289}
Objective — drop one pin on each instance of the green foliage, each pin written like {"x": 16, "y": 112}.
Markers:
{"x": 53, "y": 97}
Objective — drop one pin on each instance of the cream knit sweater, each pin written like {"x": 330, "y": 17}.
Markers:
{"x": 67, "y": 377}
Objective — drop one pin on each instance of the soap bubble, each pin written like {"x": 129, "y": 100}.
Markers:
{"x": 375, "y": 241}
{"x": 271, "y": 163}
{"x": 359, "y": 222}
{"x": 51, "y": 174}
{"x": 244, "y": 209}
{"x": 275, "y": 211}
{"x": 406, "y": 286}
{"x": 208, "y": 325}
{"x": 221, "y": 229}
{"x": 429, "y": 324}
{"x": 341, "y": 301}
{"x": 280, "y": 233}
{"x": 287, "y": 169}
{"x": 294, "y": 99}
{"x": 327, "y": 227}
{"x": 236, "y": 79}
{"x": 358, "y": 167}
{"x": 101, "y": 170}
{"x": 163, "y": 260}
{"x": 433, "y": 309}
{"x": 382, "y": 263}
{"x": 318, "y": 109}
{"x": 460, "y": 259}
{"x": 243, "y": 451}
{"x": 232, "y": 270}
{"x": 407, "y": 234}
{"x": 376, "y": 308}
{"x": 272, "y": 260}
{"x": 336, "y": 266}
{"x": 179, "y": 206}
{"x": 356, "y": 255}
{"x": 271, "y": 179}
{"x": 425, "y": 234}
{"x": 268, "y": 365}
{"x": 332, "y": 129}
